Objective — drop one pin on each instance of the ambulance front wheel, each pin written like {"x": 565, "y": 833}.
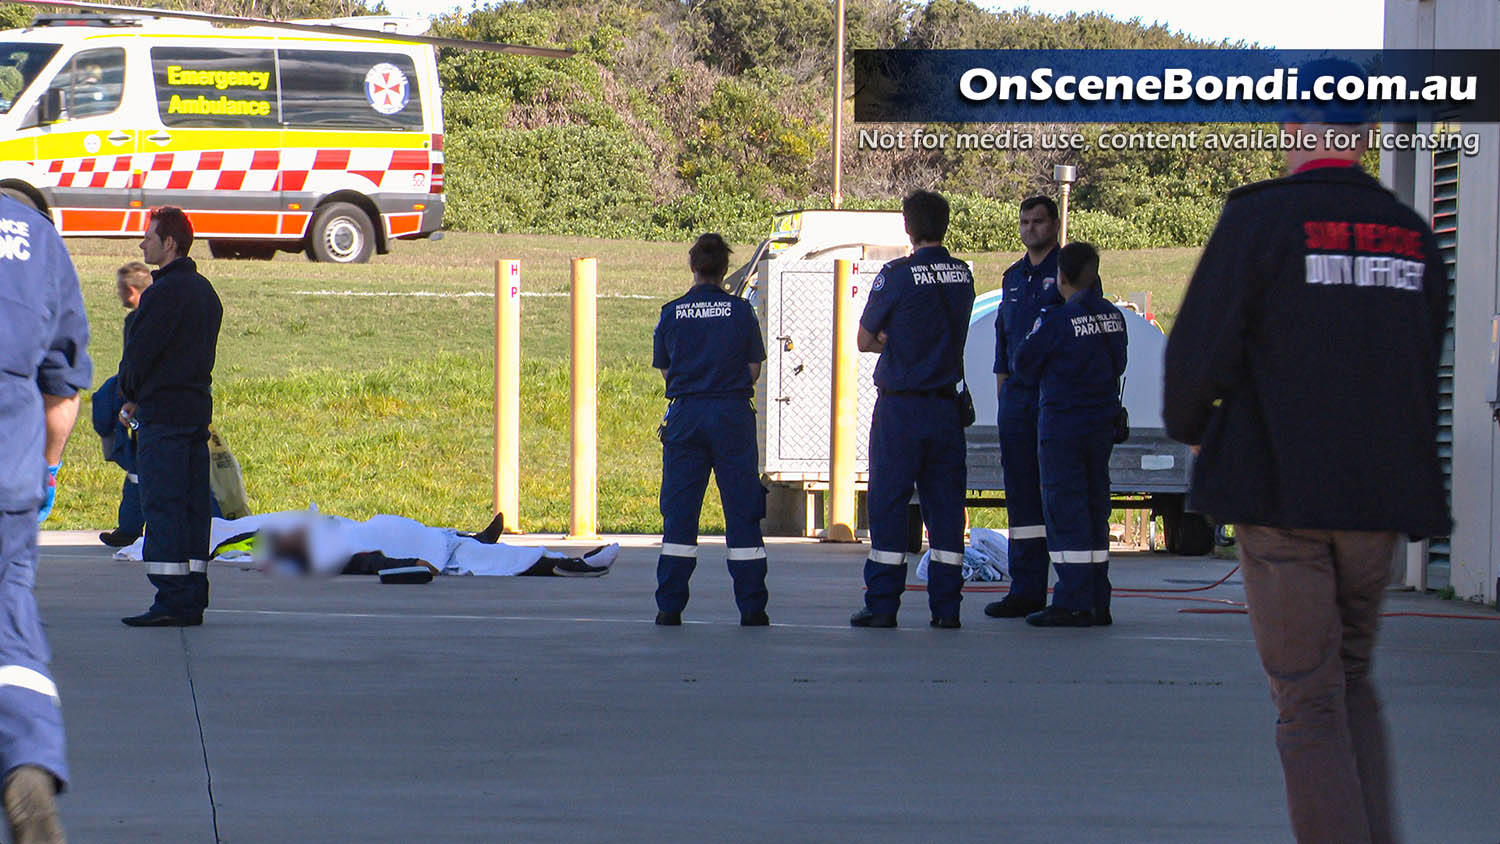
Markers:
{"x": 20, "y": 196}
{"x": 341, "y": 234}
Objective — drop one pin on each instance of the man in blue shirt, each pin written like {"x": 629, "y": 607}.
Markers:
{"x": 917, "y": 318}
{"x": 44, "y": 363}
{"x": 166, "y": 374}
{"x": 1076, "y": 355}
{"x": 1030, "y": 284}
{"x": 708, "y": 347}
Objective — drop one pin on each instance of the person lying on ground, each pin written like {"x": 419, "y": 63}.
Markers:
{"x": 307, "y": 542}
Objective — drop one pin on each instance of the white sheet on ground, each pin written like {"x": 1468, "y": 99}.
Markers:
{"x": 332, "y": 540}
{"x": 986, "y": 559}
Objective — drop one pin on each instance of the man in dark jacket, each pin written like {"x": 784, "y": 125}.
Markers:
{"x": 165, "y": 378}
{"x": 1304, "y": 364}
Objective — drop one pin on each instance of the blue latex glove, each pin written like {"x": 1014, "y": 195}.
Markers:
{"x": 51, "y": 498}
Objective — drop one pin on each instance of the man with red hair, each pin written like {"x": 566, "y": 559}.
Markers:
{"x": 165, "y": 377}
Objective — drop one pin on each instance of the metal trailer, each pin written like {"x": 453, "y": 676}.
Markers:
{"x": 1147, "y": 470}
{"x": 789, "y": 279}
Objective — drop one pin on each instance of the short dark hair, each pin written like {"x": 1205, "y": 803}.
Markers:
{"x": 172, "y": 223}
{"x": 709, "y": 256}
{"x": 926, "y": 215}
{"x": 1078, "y": 262}
{"x": 1044, "y": 201}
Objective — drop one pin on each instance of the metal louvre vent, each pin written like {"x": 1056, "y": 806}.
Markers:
{"x": 1445, "y": 226}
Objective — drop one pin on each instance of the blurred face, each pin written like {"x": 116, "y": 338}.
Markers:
{"x": 156, "y": 251}
{"x": 130, "y": 297}
{"x": 1038, "y": 229}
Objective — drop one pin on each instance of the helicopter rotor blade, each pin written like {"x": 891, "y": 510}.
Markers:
{"x": 323, "y": 28}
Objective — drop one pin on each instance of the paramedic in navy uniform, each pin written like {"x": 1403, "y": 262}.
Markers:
{"x": 709, "y": 349}
{"x": 165, "y": 377}
{"x": 43, "y": 365}
{"x": 1076, "y": 355}
{"x": 1304, "y": 364}
{"x": 917, "y": 318}
{"x": 1030, "y": 285}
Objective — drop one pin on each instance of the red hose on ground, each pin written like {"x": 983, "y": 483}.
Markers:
{"x": 1230, "y": 608}
{"x": 1440, "y": 615}
{"x": 1205, "y": 611}
{"x": 1157, "y": 594}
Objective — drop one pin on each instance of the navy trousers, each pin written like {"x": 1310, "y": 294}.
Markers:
{"x": 31, "y": 726}
{"x": 1075, "y": 493}
{"x": 172, "y": 461}
{"x": 916, "y": 443}
{"x": 1023, "y": 491}
{"x": 131, "y": 518}
{"x": 711, "y": 434}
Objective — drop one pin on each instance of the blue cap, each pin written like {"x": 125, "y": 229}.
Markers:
{"x": 1336, "y": 110}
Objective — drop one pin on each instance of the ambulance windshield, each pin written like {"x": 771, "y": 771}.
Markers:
{"x": 19, "y": 65}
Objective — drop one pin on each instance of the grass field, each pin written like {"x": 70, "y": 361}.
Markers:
{"x": 348, "y": 387}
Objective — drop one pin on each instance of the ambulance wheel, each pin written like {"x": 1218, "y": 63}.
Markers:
{"x": 20, "y": 196}
{"x": 341, "y": 234}
{"x": 241, "y": 250}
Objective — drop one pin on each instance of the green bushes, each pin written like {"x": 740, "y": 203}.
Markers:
{"x": 678, "y": 117}
{"x": 565, "y": 179}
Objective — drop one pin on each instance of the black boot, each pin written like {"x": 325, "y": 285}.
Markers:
{"x": 118, "y": 538}
{"x": 157, "y": 618}
{"x": 1013, "y": 606}
{"x": 866, "y": 618}
{"x": 491, "y": 534}
{"x": 1059, "y": 617}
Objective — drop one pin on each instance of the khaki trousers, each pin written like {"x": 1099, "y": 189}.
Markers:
{"x": 1315, "y": 599}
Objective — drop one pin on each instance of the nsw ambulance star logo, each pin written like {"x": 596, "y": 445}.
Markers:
{"x": 387, "y": 88}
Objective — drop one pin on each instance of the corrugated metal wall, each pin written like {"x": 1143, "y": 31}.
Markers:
{"x": 1445, "y": 226}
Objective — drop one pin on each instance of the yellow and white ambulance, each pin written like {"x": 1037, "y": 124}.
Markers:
{"x": 269, "y": 139}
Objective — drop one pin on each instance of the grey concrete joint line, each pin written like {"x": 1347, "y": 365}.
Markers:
{"x": 208, "y": 775}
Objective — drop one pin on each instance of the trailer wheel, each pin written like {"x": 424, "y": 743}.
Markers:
{"x": 341, "y": 234}
{"x": 1190, "y": 535}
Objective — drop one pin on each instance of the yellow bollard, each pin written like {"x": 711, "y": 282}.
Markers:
{"x": 842, "y": 414}
{"x": 583, "y": 398}
{"x": 508, "y": 393}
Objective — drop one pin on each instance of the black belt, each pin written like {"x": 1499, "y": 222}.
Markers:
{"x": 940, "y": 393}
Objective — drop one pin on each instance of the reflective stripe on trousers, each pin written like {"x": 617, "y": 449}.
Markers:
{"x": 188, "y": 567}
{"x": 31, "y": 725}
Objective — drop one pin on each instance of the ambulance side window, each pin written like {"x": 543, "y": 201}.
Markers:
{"x": 325, "y": 89}
{"x": 215, "y": 87}
{"x": 92, "y": 82}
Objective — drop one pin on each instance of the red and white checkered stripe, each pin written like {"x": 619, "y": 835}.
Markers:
{"x": 100, "y": 171}
{"x": 265, "y": 170}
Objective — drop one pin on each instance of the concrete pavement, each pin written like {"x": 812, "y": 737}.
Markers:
{"x": 529, "y": 709}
